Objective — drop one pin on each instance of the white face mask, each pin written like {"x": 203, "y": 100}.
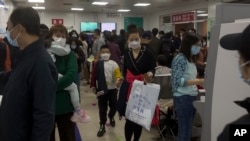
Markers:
{"x": 134, "y": 44}
{"x": 105, "y": 56}
{"x": 59, "y": 41}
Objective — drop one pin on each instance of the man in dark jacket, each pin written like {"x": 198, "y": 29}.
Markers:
{"x": 167, "y": 48}
{"x": 155, "y": 42}
{"x": 122, "y": 41}
{"x": 28, "y": 106}
{"x": 7, "y": 58}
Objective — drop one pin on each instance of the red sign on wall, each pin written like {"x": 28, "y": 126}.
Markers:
{"x": 57, "y": 21}
{"x": 184, "y": 17}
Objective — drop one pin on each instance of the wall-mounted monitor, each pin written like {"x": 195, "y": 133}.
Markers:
{"x": 89, "y": 26}
{"x": 108, "y": 26}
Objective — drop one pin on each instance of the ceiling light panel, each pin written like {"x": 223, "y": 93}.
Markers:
{"x": 100, "y": 3}
{"x": 123, "y": 10}
{"x": 37, "y": 7}
{"x": 142, "y": 4}
{"x": 77, "y": 9}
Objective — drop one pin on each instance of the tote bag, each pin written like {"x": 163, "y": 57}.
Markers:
{"x": 141, "y": 104}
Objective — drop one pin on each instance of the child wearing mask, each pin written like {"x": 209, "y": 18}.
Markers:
{"x": 60, "y": 48}
{"x": 106, "y": 76}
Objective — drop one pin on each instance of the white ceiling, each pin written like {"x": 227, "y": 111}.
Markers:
{"x": 112, "y": 7}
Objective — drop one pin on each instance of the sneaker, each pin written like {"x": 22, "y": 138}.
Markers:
{"x": 112, "y": 122}
{"x": 81, "y": 117}
{"x": 101, "y": 131}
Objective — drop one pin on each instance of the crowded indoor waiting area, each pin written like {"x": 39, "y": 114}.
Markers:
{"x": 124, "y": 70}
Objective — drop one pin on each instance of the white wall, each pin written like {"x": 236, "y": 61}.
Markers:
{"x": 4, "y": 14}
{"x": 75, "y": 18}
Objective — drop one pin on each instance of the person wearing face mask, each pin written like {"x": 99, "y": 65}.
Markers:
{"x": 67, "y": 107}
{"x": 239, "y": 42}
{"x": 27, "y": 112}
{"x": 139, "y": 64}
{"x": 184, "y": 81}
{"x": 59, "y": 47}
{"x": 7, "y": 57}
{"x": 75, "y": 46}
{"x": 201, "y": 59}
{"x": 106, "y": 77}
{"x": 114, "y": 49}
{"x": 98, "y": 42}
{"x": 74, "y": 34}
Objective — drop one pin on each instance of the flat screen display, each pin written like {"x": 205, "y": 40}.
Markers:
{"x": 108, "y": 26}
{"x": 89, "y": 26}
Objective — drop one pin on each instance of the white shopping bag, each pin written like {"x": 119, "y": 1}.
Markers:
{"x": 141, "y": 104}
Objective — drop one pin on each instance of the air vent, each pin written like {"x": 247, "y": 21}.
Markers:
{"x": 113, "y": 15}
{"x": 67, "y": 4}
{"x": 166, "y": 19}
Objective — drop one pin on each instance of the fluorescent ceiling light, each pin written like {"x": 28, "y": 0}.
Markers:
{"x": 142, "y": 4}
{"x": 100, "y": 3}
{"x": 36, "y": 1}
{"x": 36, "y": 7}
{"x": 123, "y": 10}
{"x": 202, "y": 15}
{"x": 2, "y": 6}
{"x": 77, "y": 9}
{"x": 200, "y": 11}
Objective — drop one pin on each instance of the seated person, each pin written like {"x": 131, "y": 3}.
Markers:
{"x": 162, "y": 66}
{"x": 162, "y": 73}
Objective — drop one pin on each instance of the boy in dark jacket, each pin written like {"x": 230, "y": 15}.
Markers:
{"x": 106, "y": 76}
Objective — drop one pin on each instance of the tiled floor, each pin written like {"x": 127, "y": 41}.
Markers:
{"x": 88, "y": 131}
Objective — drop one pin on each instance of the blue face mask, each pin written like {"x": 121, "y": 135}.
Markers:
{"x": 247, "y": 81}
{"x": 12, "y": 42}
{"x": 195, "y": 50}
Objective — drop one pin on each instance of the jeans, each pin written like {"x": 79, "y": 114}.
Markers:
{"x": 185, "y": 114}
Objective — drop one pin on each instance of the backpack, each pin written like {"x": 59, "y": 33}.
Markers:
{"x": 7, "y": 62}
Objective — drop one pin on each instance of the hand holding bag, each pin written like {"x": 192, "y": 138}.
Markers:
{"x": 141, "y": 103}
